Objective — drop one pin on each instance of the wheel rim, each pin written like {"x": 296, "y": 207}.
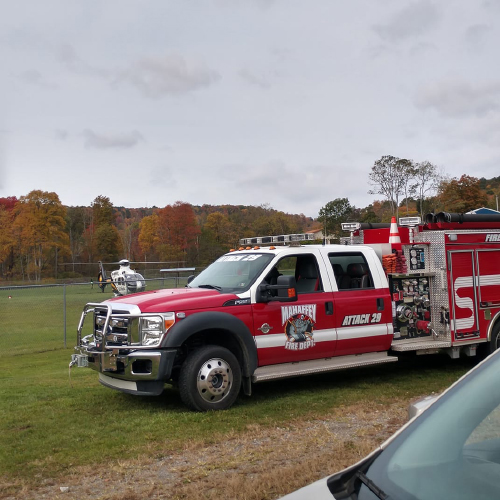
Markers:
{"x": 214, "y": 380}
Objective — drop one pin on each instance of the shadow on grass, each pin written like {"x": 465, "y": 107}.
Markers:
{"x": 402, "y": 374}
{"x": 410, "y": 377}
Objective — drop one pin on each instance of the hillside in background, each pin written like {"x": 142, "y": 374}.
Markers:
{"x": 41, "y": 238}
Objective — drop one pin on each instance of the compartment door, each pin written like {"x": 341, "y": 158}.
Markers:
{"x": 488, "y": 266}
{"x": 463, "y": 294}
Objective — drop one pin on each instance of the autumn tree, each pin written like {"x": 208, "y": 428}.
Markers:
{"x": 103, "y": 235}
{"x": 129, "y": 231}
{"x": 8, "y": 202}
{"x": 148, "y": 235}
{"x": 221, "y": 228}
{"x": 39, "y": 227}
{"x": 102, "y": 211}
{"x": 461, "y": 195}
{"x": 390, "y": 177}
{"x": 273, "y": 224}
{"x": 366, "y": 214}
{"x": 75, "y": 227}
{"x": 7, "y": 241}
{"x": 108, "y": 246}
{"x": 218, "y": 235}
{"x": 178, "y": 231}
{"x": 332, "y": 215}
{"x": 427, "y": 181}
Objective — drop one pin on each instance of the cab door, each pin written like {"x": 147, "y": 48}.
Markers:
{"x": 286, "y": 332}
{"x": 363, "y": 308}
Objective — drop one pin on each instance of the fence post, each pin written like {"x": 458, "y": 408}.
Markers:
{"x": 64, "y": 313}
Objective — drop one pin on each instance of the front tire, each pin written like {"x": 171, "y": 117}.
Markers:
{"x": 210, "y": 379}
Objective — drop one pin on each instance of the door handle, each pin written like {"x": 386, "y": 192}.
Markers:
{"x": 380, "y": 304}
{"x": 329, "y": 308}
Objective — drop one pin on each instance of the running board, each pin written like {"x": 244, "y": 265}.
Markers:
{"x": 416, "y": 345}
{"x": 285, "y": 370}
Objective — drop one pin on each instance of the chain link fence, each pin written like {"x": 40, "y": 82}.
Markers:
{"x": 39, "y": 318}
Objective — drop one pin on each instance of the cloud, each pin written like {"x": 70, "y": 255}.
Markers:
{"x": 163, "y": 177}
{"x": 422, "y": 49}
{"x": 456, "y": 99}
{"x": 491, "y": 4}
{"x": 475, "y": 36}
{"x": 118, "y": 141}
{"x": 414, "y": 20}
{"x": 68, "y": 56}
{"x": 253, "y": 79}
{"x": 277, "y": 183}
{"x": 263, "y": 4}
{"x": 34, "y": 77}
{"x": 61, "y": 135}
{"x": 156, "y": 77}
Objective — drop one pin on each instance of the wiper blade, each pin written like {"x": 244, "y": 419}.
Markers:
{"x": 371, "y": 485}
{"x": 212, "y": 287}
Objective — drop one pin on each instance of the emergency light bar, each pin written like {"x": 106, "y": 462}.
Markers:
{"x": 283, "y": 238}
{"x": 351, "y": 226}
{"x": 409, "y": 221}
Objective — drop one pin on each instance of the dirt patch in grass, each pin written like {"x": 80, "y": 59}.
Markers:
{"x": 261, "y": 463}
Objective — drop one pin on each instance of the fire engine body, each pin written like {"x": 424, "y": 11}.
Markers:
{"x": 450, "y": 296}
{"x": 258, "y": 314}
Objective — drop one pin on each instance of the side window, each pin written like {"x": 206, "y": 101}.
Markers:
{"x": 351, "y": 270}
{"x": 306, "y": 272}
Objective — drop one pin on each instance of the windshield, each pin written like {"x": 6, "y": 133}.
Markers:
{"x": 233, "y": 272}
{"x": 452, "y": 451}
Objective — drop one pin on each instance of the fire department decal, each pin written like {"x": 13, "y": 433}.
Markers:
{"x": 299, "y": 321}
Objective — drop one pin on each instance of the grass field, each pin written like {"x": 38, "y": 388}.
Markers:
{"x": 53, "y": 420}
{"x": 37, "y": 319}
{"x": 49, "y": 423}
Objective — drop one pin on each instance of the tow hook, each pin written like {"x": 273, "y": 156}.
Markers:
{"x": 81, "y": 360}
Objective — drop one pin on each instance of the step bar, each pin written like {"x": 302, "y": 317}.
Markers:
{"x": 417, "y": 345}
{"x": 310, "y": 367}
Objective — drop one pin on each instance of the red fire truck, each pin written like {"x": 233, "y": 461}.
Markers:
{"x": 261, "y": 313}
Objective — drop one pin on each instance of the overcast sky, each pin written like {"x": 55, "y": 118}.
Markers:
{"x": 285, "y": 102}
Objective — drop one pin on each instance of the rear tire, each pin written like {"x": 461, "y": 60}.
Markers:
{"x": 210, "y": 379}
{"x": 494, "y": 343}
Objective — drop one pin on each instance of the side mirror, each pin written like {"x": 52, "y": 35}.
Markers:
{"x": 285, "y": 288}
{"x": 190, "y": 278}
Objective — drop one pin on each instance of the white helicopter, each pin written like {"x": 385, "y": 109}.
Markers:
{"x": 123, "y": 280}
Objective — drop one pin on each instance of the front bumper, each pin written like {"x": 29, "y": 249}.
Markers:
{"x": 142, "y": 373}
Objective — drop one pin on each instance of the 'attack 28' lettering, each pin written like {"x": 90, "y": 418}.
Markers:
{"x": 362, "y": 319}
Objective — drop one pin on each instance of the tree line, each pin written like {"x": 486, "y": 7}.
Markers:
{"x": 39, "y": 235}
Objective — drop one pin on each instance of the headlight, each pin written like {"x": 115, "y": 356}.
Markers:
{"x": 153, "y": 328}
{"x": 119, "y": 323}
{"x": 99, "y": 321}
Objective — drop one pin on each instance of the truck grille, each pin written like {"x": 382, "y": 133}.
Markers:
{"x": 118, "y": 331}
